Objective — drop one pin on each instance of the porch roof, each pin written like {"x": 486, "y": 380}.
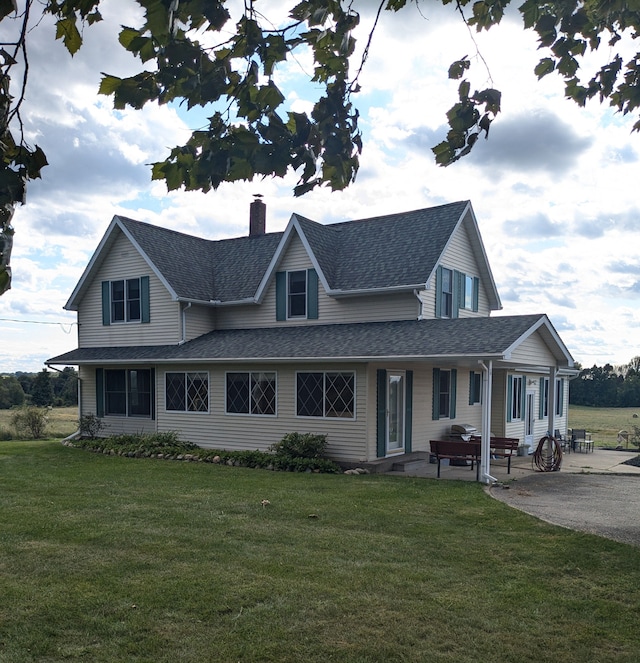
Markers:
{"x": 446, "y": 340}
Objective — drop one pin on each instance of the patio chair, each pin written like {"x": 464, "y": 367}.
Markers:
{"x": 563, "y": 441}
{"x": 581, "y": 439}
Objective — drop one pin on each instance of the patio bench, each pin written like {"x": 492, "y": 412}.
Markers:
{"x": 454, "y": 450}
{"x": 504, "y": 447}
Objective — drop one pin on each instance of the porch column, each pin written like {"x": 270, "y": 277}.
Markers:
{"x": 485, "y": 433}
{"x": 551, "y": 400}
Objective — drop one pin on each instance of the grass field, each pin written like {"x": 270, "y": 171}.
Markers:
{"x": 62, "y": 422}
{"x": 604, "y": 422}
{"x": 108, "y": 559}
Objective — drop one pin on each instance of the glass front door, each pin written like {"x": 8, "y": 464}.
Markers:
{"x": 395, "y": 411}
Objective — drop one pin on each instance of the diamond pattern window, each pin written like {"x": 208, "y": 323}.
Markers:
{"x": 251, "y": 393}
{"x": 187, "y": 392}
{"x": 325, "y": 394}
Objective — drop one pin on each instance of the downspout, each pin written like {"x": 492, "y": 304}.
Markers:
{"x": 485, "y": 434}
{"x": 185, "y": 308}
{"x": 77, "y": 434}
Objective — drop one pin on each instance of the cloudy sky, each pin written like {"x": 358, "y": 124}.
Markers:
{"x": 554, "y": 189}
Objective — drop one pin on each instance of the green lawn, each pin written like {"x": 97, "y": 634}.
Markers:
{"x": 604, "y": 422}
{"x": 117, "y": 559}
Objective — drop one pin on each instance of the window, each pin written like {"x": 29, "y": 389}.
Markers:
{"x": 544, "y": 398}
{"x": 187, "y": 392}
{"x": 126, "y": 393}
{"x": 475, "y": 388}
{"x": 251, "y": 393}
{"x": 297, "y": 294}
{"x": 446, "y": 294}
{"x": 559, "y": 396}
{"x": 125, "y": 300}
{"x": 444, "y": 393}
{"x": 325, "y": 394}
{"x": 516, "y": 395}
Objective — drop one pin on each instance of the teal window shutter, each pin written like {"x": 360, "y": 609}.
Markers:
{"x": 281, "y": 295}
{"x": 312, "y": 294}
{"x": 541, "y": 404}
{"x": 476, "y": 292}
{"x": 153, "y": 393}
{"x": 408, "y": 415}
{"x": 472, "y": 376}
{"x": 509, "y": 396}
{"x": 439, "y": 291}
{"x": 435, "y": 409}
{"x": 458, "y": 277}
{"x": 145, "y": 308}
{"x": 452, "y": 395}
{"x": 381, "y": 414}
{"x": 560, "y": 398}
{"x": 106, "y": 303}
{"x": 99, "y": 392}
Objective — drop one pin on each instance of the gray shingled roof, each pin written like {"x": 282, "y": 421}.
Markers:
{"x": 382, "y": 252}
{"x": 410, "y": 338}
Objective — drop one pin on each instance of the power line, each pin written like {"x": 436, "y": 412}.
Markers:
{"x": 65, "y": 326}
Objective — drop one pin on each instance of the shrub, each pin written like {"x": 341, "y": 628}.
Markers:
{"x": 91, "y": 426}
{"x": 300, "y": 445}
{"x": 30, "y": 421}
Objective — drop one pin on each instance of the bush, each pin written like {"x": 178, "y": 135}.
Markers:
{"x": 91, "y": 426}
{"x": 30, "y": 421}
{"x": 300, "y": 445}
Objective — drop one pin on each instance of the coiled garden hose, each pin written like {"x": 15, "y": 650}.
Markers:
{"x": 548, "y": 454}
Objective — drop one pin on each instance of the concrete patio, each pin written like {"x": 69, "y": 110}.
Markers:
{"x": 600, "y": 461}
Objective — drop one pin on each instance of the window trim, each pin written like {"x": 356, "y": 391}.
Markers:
{"x": 186, "y": 375}
{"x": 324, "y": 414}
{"x": 516, "y": 407}
{"x": 143, "y": 299}
{"x": 250, "y": 385}
{"x": 453, "y": 389}
{"x": 303, "y": 295}
{"x": 475, "y": 388}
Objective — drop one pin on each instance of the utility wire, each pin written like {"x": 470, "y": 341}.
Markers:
{"x": 65, "y": 326}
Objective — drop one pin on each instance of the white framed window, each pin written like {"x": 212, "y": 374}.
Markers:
{"x": 444, "y": 393}
{"x": 326, "y": 394}
{"x": 187, "y": 391}
{"x": 297, "y": 294}
{"x": 251, "y": 393}
{"x": 125, "y": 300}
{"x": 446, "y": 293}
{"x": 516, "y": 396}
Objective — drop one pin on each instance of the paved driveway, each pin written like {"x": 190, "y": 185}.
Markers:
{"x": 604, "y": 504}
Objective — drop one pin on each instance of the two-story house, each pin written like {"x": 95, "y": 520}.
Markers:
{"x": 375, "y": 332}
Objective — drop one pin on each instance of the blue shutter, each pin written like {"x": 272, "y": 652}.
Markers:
{"x": 99, "y": 392}
{"x": 541, "y": 404}
{"x": 106, "y": 303}
{"x": 561, "y": 397}
{"x": 453, "y": 388}
{"x": 439, "y": 291}
{"x": 458, "y": 277}
{"x": 153, "y": 393}
{"x": 281, "y": 295}
{"x": 145, "y": 308}
{"x": 471, "y": 385}
{"x": 435, "y": 405}
{"x": 509, "y": 396}
{"x": 408, "y": 414}
{"x": 312, "y": 294}
{"x": 476, "y": 292}
{"x": 381, "y": 414}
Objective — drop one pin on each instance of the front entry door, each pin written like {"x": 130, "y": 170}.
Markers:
{"x": 529, "y": 420}
{"x": 395, "y": 411}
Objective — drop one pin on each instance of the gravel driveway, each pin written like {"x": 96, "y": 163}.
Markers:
{"x": 604, "y": 504}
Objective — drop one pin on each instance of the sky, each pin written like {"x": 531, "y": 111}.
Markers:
{"x": 554, "y": 188}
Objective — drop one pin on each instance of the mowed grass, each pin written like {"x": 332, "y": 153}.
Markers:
{"x": 110, "y": 559}
{"x": 604, "y": 422}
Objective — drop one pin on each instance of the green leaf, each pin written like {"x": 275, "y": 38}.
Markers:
{"x": 544, "y": 67}
{"x": 67, "y": 31}
{"x": 457, "y": 68}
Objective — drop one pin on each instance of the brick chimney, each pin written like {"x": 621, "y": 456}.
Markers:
{"x": 257, "y": 216}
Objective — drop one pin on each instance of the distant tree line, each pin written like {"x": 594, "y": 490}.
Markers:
{"x": 607, "y": 386}
{"x": 57, "y": 389}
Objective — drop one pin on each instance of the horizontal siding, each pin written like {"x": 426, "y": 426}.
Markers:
{"x": 218, "y": 430}
{"x": 125, "y": 262}
{"x": 534, "y": 351}
{"x": 199, "y": 320}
